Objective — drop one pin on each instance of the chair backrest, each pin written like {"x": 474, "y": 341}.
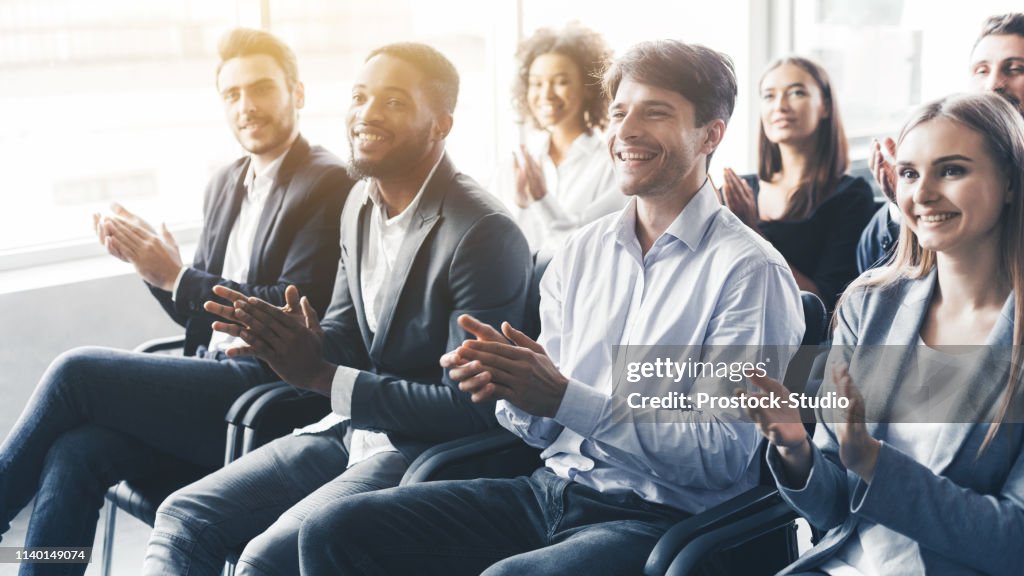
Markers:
{"x": 815, "y": 319}
{"x": 531, "y": 324}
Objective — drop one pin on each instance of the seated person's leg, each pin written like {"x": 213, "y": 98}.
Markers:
{"x": 447, "y": 528}
{"x": 594, "y": 533}
{"x": 173, "y": 404}
{"x": 276, "y": 551}
{"x": 198, "y": 525}
{"x": 77, "y": 471}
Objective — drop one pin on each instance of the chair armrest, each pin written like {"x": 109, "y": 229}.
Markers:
{"x": 236, "y": 414}
{"x": 278, "y": 411}
{"x": 679, "y": 536}
{"x": 161, "y": 344}
{"x": 508, "y": 456}
{"x": 742, "y": 530}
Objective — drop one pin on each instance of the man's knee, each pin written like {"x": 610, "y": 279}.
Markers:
{"x": 274, "y": 552}
{"x": 348, "y": 516}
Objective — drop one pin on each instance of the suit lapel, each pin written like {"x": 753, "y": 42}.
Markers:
{"x": 426, "y": 217}
{"x": 224, "y": 220}
{"x": 278, "y": 194}
{"x": 886, "y": 364}
{"x": 355, "y": 230}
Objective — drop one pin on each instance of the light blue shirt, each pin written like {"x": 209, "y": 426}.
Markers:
{"x": 708, "y": 279}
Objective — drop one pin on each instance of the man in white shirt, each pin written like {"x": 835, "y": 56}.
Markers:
{"x": 672, "y": 269}
{"x": 271, "y": 219}
{"x": 421, "y": 245}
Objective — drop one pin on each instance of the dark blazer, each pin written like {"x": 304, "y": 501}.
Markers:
{"x": 296, "y": 239}
{"x": 463, "y": 255}
{"x": 964, "y": 510}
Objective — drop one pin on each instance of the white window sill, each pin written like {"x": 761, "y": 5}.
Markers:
{"x": 68, "y": 272}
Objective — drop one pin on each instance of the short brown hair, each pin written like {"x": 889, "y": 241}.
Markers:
{"x": 1002, "y": 25}
{"x": 241, "y": 42}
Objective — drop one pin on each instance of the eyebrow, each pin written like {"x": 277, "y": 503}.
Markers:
{"x": 401, "y": 91}
{"x": 787, "y": 86}
{"x": 941, "y": 160}
{"x": 1011, "y": 59}
{"x": 648, "y": 103}
{"x": 249, "y": 85}
{"x": 555, "y": 75}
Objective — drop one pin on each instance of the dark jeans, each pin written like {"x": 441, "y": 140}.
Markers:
{"x": 102, "y": 415}
{"x": 260, "y": 501}
{"x": 535, "y": 525}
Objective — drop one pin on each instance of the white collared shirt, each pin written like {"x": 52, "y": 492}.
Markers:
{"x": 579, "y": 190}
{"x": 238, "y": 253}
{"x": 708, "y": 280}
{"x": 384, "y": 242}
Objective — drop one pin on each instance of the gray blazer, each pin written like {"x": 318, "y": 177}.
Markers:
{"x": 463, "y": 255}
{"x": 966, "y": 513}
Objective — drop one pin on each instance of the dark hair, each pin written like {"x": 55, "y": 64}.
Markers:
{"x": 241, "y": 42}
{"x": 830, "y": 155}
{"x": 442, "y": 79}
{"x": 1002, "y": 24}
{"x": 701, "y": 75}
{"x": 585, "y": 48}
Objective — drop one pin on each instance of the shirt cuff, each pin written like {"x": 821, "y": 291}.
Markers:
{"x": 341, "y": 390}
{"x": 177, "y": 282}
{"x": 581, "y": 408}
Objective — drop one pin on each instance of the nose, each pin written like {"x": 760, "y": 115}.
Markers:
{"x": 628, "y": 127}
{"x": 369, "y": 111}
{"x": 995, "y": 80}
{"x": 548, "y": 90}
{"x": 246, "y": 103}
{"x": 925, "y": 191}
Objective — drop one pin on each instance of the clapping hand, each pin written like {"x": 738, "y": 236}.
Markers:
{"x": 288, "y": 338}
{"x": 506, "y": 365}
{"x": 739, "y": 197}
{"x": 530, "y": 185}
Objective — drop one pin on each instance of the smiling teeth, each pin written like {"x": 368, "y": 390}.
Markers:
{"x": 936, "y": 217}
{"x": 370, "y": 137}
{"x": 626, "y": 156}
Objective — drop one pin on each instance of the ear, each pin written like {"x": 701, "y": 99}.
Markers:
{"x": 713, "y": 137}
{"x": 299, "y": 95}
{"x": 442, "y": 125}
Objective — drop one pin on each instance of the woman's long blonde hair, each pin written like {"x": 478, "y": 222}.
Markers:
{"x": 1002, "y": 129}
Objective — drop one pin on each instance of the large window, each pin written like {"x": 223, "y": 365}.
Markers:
{"x": 114, "y": 100}
{"x": 887, "y": 56}
{"x": 106, "y": 100}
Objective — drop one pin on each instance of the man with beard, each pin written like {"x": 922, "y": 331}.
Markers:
{"x": 421, "y": 245}
{"x": 674, "y": 268}
{"x": 997, "y": 65}
{"x": 270, "y": 220}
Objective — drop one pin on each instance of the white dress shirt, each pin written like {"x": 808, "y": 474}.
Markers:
{"x": 708, "y": 280}
{"x": 579, "y": 190}
{"x": 241, "y": 238}
{"x": 385, "y": 240}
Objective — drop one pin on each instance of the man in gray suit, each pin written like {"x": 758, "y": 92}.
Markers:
{"x": 421, "y": 245}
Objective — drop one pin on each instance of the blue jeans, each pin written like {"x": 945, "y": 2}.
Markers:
{"x": 101, "y": 415}
{"x": 260, "y": 502}
{"x": 537, "y": 525}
